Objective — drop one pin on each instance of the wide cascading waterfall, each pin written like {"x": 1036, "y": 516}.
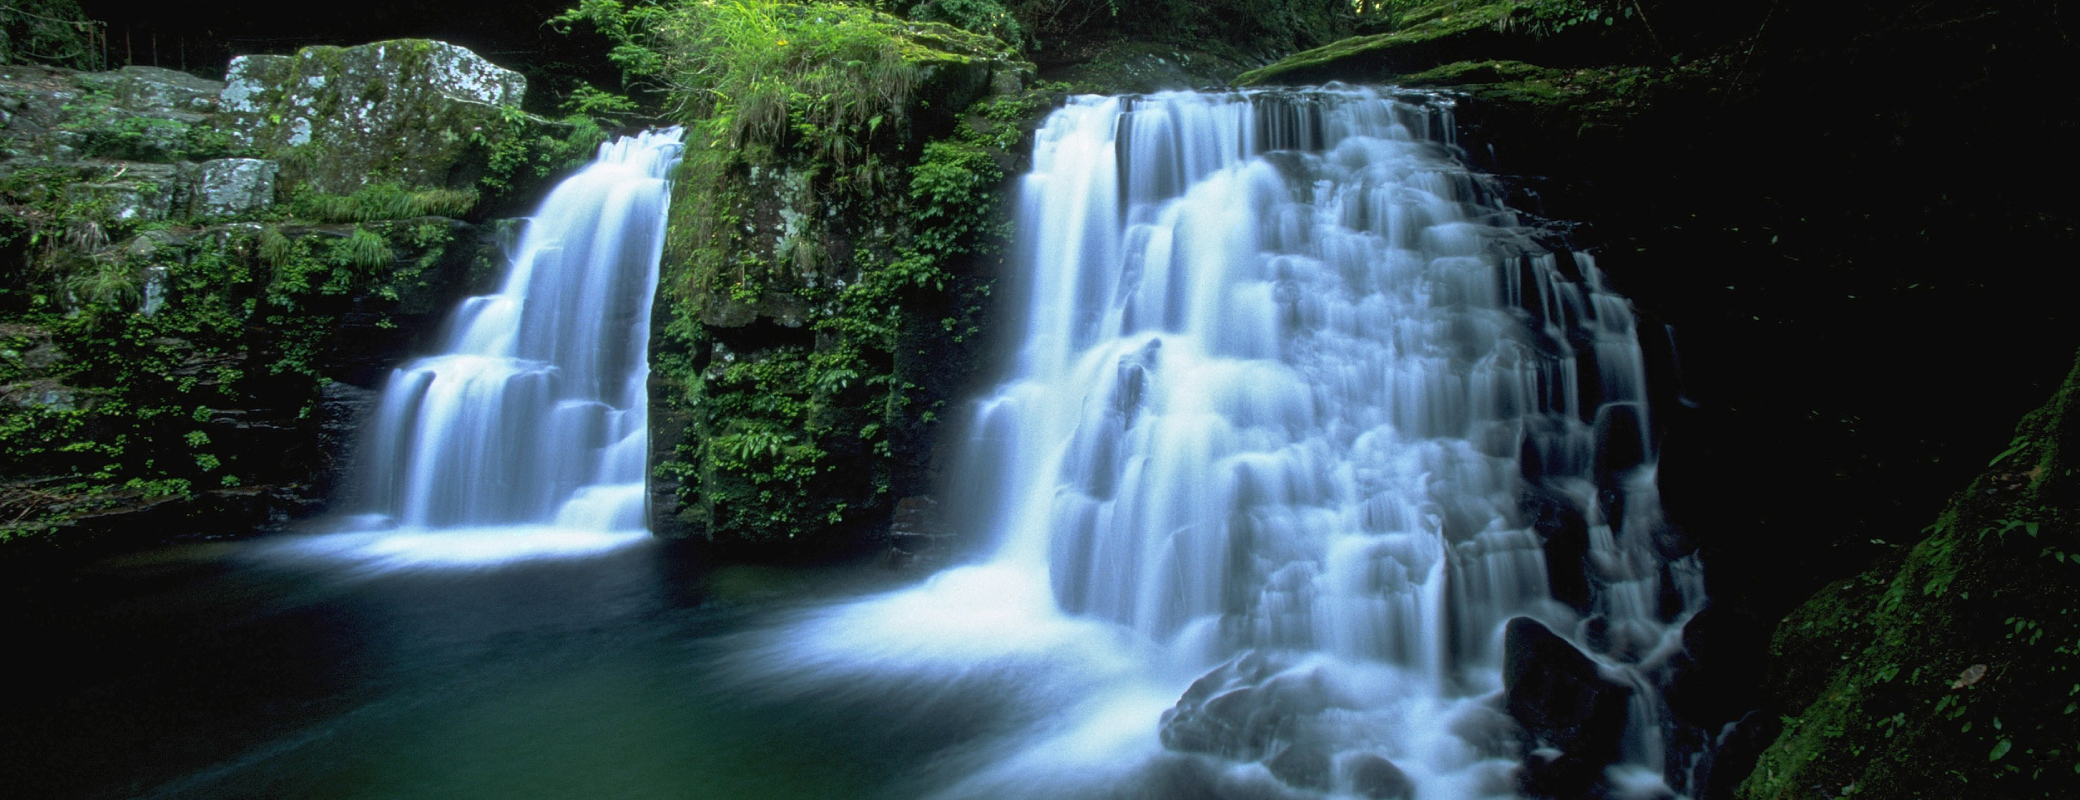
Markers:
{"x": 534, "y": 412}
{"x": 1311, "y": 426}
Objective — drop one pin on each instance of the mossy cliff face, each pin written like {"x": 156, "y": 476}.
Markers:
{"x": 201, "y": 291}
{"x": 828, "y": 263}
{"x": 1422, "y": 37}
{"x": 1953, "y": 668}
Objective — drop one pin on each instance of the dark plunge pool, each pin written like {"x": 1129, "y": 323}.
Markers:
{"x": 224, "y": 670}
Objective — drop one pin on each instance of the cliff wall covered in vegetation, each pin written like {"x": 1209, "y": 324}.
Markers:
{"x": 205, "y": 280}
{"x": 834, "y": 235}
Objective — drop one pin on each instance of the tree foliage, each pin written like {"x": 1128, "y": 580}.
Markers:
{"x": 54, "y": 32}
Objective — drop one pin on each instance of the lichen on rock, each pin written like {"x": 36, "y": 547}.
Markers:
{"x": 407, "y": 111}
{"x": 234, "y": 186}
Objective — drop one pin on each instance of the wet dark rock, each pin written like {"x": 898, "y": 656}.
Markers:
{"x": 1620, "y": 446}
{"x": 1710, "y": 681}
{"x": 1378, "y": 779}
{"x": 1573, "y": 716}
{"x": 1564, "y": 527}
{"x": 918, "y": 536}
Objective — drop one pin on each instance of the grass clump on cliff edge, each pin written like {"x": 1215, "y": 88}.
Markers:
{"x": 384, "y": 201}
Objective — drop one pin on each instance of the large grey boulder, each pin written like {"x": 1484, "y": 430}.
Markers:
{"x": 234, "y": 186}
{"x": 410, "y": 111}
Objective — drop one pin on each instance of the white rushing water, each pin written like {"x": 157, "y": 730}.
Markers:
{"x": 1299, "y": 407}
{"x": 527, "y": 432}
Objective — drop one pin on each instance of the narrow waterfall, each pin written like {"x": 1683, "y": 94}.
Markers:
{"x": 534, "y": 412}
{"x": 1315, "y": 473}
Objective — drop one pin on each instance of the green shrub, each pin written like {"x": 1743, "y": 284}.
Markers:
{"x": 517, "y": 159}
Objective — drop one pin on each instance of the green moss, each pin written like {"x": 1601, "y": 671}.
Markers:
{"x": 803, "y": 443}
{"x": 1957, "y": 670}
{"x": 114, "y": 133}
{"x": 825, "y": 78}
{"x": 1423, "y": 37}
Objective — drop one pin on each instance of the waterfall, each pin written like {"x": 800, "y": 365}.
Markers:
{"x": 534, "y": 411}
{"x": 1309, "y": 450}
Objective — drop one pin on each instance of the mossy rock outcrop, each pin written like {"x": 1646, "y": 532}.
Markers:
{"x": 411, "y": 112}
{"x": 820, "y": 301}
{"x": 1423, "y": 37}
{"x": 1952, "y": 670}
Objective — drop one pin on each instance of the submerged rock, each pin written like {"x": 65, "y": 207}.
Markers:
{"x": 1304, "y": 764}
{"x": 1243, "y": 709}
{"x": 1377, "y": 778}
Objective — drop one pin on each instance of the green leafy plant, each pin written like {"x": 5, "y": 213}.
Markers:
{"x": 517, "y": 154}
{"x": 363, "y": 248}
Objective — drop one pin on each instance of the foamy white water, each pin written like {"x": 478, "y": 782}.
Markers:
{"x": 1301, "y": 416}
{"x": 527, "y": 435}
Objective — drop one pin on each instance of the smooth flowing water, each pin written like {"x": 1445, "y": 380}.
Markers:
{"x": 534, "y": 413}
{"x": 1301, "y": 418}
